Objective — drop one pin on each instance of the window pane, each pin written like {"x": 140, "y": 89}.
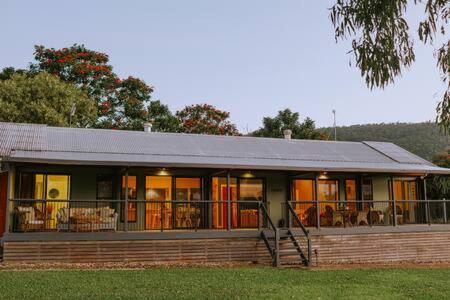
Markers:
{"x": 187, "y": 189}
{"x": 31, "y": 186}
{"x": 328, "y": 190}
{"x": 132, "y": 187}
{"x": 158, "y": 188}
{"x": 251, "y": 189}
{"x": 105, "y": 187}
{"x": 328, "y": 194}
{"x": 367, "y": 189}
{"x": 220, "y": 205}
{"x": 57, "y": 187}
{"x": 303, "y": 190}
{"x": 303, "y": 193}
{"x": 350, "y": 193}
{"x": 39, "y": 186}
{"x": 132, "y": 195}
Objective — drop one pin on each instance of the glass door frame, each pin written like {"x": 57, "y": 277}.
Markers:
{"x": 238, "y": 202}
{"x": 172, "y": 199}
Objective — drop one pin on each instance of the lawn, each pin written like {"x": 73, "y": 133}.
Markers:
{"x": 226, "y": 283}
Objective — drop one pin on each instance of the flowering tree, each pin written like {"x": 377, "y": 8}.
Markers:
{"x": 205, "y": 119}
{"x": 120, "y": 103}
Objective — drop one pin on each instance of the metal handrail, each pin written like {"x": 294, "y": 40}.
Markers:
{"x": 134, "y": 200}
{"x": 274, "y": 252}
{"x": 306, "y": 259}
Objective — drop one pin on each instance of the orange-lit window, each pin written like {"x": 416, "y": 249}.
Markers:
{"x": 132, "y": 195}
{"x": 303, "y": 194}
{"x": 350, "y": 193}
{"x": 188, "y": 211}
{"x": 220, "y": 206}
{"x": 158, "y": 209}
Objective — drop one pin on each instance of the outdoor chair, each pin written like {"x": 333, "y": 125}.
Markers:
{"x": 30, "y": 218}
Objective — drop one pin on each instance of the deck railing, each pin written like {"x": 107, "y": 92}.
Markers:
{"x": 134, "y": 215}
{"x": 359, "y": 213}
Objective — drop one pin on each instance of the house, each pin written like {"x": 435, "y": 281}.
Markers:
{"x": 94, "y": 195}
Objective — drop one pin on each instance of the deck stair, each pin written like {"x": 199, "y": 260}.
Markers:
{"x": 289, "y": 252}
{"x": 287, "y": 246}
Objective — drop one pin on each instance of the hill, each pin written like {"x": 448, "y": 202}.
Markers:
{"x": 423, "y": 139}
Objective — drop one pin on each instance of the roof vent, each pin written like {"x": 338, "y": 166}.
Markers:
{"x": 287, "y": 134}
{"x": 148, "y": 127}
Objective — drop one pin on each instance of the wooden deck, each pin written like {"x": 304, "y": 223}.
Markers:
{"x": 411, "y": 244}
{"x": 186, "y": 251}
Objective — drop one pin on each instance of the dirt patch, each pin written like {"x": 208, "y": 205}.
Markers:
{"x": 112, "y": 266}
{"x": 143, "y": 266}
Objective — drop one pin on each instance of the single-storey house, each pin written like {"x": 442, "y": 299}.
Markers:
{"x": 94, "y": 195}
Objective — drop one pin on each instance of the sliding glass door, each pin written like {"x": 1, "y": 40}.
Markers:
{"x": 158, "y": 208}
{"x": 245, "y": 195}
{"x": 188, "y": 212}
{"x": 162, "y": 212}
{"x": 47, "y": 194}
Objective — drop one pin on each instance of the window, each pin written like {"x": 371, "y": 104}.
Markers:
{"x": 132, "y": 195}
{"x": 187, "y": 189}
{"x": 158, "y": 190}
{"x": 52, "y": 190}
{"x": 220, "y": 206}
{"x": 303, "y": 194}
{"x": 187, "y": 215}
{"x": 250, "y": 189}
{"x": 105, "y": 189}
{"x": 57, "y": 187}
{"x": 328, "y": 190}
{"x": 367, "y": 190}
{"x": 405, "y": 193}
{"x": 245, "y": 193}
{"x": 44, "y": 186}
{"x": 350, "y": 194}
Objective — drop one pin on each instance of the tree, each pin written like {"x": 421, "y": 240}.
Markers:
{"x": 120, "y": 103}
{"x": 205, "y": 119}
{"x": 286, "y": 119}
{"x": 8, "y": 72}
{"x": 438, "y": 187}
{"x": 44, "y": 99}
{"x": 382, "y": 45}
{"x": 162, "y": 118}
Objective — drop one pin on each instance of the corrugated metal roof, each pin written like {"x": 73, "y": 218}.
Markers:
{"x": 21, "y": 136}
{"x": 39, "y": 143}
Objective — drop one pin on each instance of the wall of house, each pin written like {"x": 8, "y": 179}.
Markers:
{"x": 84, "y": 185}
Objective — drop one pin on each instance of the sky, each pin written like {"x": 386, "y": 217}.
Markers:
{"x": 251, "y": 58}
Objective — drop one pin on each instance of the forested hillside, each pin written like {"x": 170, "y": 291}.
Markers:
{"x": 423, "y": 139}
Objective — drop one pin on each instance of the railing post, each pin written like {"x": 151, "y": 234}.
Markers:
{"x": 228, "y": 201}
{"x": 309, "y": 250}
{"x": 316, "y": 196}
{"x": 162, "y": 218}
{"x": 277, "y": 247}
{"x": 260, "y": 214}
{"x": 445, "y": 210}
{"x": 394, "y": 205}
{"x": 8, "y": 199}
{"x": 425, "y": 197}
{"x": 126, "y": 202}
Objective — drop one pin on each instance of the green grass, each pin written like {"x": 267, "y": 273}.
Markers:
{"x": 226, "y": 283}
